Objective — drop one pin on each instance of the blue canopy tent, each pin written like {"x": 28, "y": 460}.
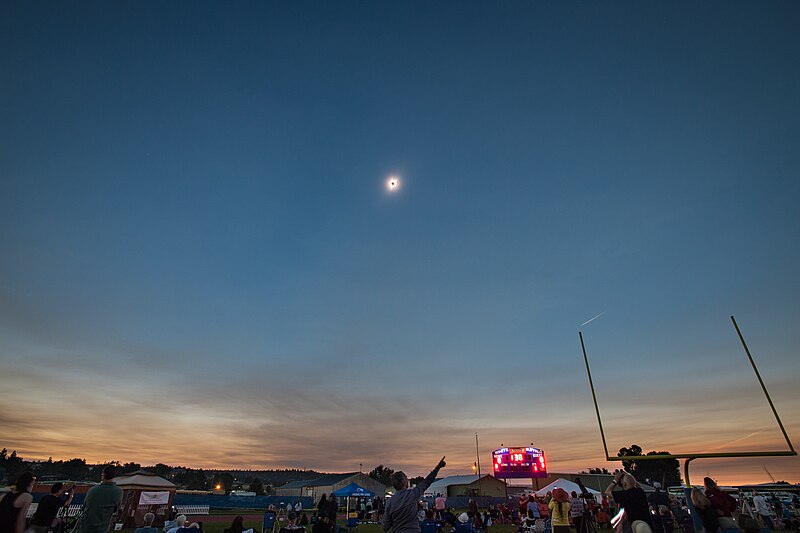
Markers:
{"x": 353, "y": 490}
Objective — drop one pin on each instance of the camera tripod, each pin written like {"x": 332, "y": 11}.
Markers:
{"x": 587, "y": 520}
{"x": 70, "y": 524}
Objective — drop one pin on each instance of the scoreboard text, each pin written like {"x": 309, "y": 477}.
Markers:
{"x": 519, "y": 463}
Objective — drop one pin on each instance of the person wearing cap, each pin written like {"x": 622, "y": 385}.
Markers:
{"x": 291, "y": 524}
{"x": 401, "y": 510}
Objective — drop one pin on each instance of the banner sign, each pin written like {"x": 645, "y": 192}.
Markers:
{"x": 153, "y": 498}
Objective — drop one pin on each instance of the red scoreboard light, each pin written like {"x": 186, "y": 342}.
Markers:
{"x": 526, "y": 463}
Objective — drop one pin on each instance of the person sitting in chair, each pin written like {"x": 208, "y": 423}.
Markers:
{"x": 429, "y": 524}
{"x": 322, "y": 525}
{"x": 147, "y": 525}
{"x": 180, "y": 521}
{"x": 237, "y": 526}
{"x": 463, "y": 525}
{"x": 602, "y": 518}
{"x": 291, "y": 525}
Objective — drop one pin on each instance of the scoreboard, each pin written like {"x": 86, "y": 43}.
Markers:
{"x": 526, "y": 463}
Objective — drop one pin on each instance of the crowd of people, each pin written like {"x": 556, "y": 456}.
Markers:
{"x": 101, "y": 502}
{"x": 657, "y": 512}
{"x": 407, "y": 511}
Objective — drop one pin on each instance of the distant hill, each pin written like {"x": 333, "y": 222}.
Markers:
{"x": 276, "y": 478}
{"x": 11, "y": 465}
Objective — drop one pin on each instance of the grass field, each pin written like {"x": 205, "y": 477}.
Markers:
{"x": 218, "y": 527}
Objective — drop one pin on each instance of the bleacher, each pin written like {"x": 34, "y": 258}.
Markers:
{"x": 192, "y": 510}
{"x": 71, "y": 511}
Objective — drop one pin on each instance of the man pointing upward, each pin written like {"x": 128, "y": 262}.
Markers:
{"x": 401, "y": 510}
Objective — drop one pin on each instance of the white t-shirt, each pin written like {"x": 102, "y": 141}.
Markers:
{"x": 761, "y": 505}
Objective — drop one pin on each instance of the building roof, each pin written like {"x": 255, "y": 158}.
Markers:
{"x": 143, "y": 479}
{"x": 440, "y": 485}
{"x": 297, "y": 484}
{"x": 565, "y": 484}
{"x": 329, "y": 479}
{"x": 353, "y": 489}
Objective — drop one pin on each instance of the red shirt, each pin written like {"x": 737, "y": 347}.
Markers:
{"x": 722, "y": 501}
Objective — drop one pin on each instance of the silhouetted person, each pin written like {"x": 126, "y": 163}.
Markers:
{"x": 147, "y": 525}
{"x": 49, "y": 506}
{"x": 401, "y": 509}
{"x": 291, "y": 524}
{"x": 14, "y": 505}
{"x": 237, "y": 526}
{"x": 101, "y": 502}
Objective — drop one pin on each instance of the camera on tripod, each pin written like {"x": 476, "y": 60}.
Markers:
{"x": 585, "y": 494}
{"x": 586, "y": 524}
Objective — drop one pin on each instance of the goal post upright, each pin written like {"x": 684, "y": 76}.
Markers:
{"x": 692, "y": 456}
{"x": 594, "y": 396}
{"x": 763, "y": 387}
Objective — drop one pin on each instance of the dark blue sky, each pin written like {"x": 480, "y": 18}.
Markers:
{"x": 195, "y": 231}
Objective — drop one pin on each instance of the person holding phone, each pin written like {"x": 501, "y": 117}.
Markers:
{"x": 60, "y": 496}
{"x": 401, "y": 509}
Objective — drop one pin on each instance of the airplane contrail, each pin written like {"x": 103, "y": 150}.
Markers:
{"x": 595, "y": 317}
{"x": 738, "y": 440}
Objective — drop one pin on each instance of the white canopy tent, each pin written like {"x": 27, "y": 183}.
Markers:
{"x": 568, "y": 486}
{"x": 144, "y": 492}
{"x": 143, "y": 480}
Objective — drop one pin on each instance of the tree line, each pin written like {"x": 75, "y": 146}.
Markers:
{"x": 262, "y": 482}
{"x": 664, "y": 471}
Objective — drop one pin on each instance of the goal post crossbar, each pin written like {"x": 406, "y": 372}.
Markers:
{"x": 691, "y": 456}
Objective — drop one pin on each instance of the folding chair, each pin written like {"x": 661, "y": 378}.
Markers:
{"x": 268, "y": 523}
{"x": 463, "y": 527}
{"x": 351, "y": 525}
{"x": 429, "y": 526}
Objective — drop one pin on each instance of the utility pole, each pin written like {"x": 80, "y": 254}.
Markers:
{"x": 478, "y": 464}
{"x": 477, "y": 454}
